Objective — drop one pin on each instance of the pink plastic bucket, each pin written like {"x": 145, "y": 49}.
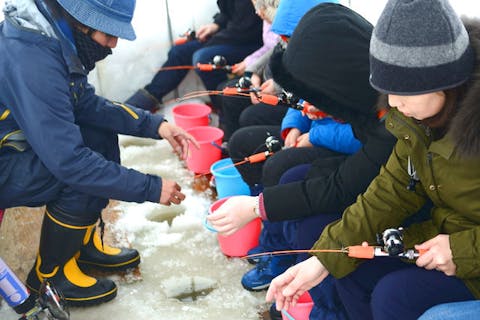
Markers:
{"x": 210, "y": 139}
{"x": 191, "y": 115}
{"x": 301, "y": 311}
{"x": 238, "y": 244}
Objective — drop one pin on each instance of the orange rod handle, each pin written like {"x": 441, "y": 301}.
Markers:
{"x": 258, "y": 157}
{"x": 205, "y": 67}
{"x": 181, "y": 41}
{"x": 318, "y": 113}
{"x": 230, "y": 91}
{"x": 421, "y": 252}
{"x": 361, "y": 252}
{"x": 269, "y": 99}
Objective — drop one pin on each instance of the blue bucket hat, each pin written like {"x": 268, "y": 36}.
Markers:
{"x": 109, "y": 16}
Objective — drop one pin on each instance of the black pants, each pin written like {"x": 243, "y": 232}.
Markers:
{"x": 239, "y": 112}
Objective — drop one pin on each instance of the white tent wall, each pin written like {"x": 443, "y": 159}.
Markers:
{"x": 135, "y": 62}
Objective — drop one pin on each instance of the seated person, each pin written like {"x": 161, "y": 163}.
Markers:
{"x": 235, "y": 32}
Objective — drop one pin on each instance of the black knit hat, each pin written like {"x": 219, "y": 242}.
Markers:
{"x": 326, "y": 62}
{"x": 419, "y": 46}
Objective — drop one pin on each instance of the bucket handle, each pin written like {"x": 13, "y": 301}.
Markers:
{"x": 208, "y": 226}
{"x": 216, "y": 145}
{"x": 288, "y": 315}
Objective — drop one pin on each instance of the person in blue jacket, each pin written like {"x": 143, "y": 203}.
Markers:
{"x": 58, "y": 139}
{"x": 289, "y": 14}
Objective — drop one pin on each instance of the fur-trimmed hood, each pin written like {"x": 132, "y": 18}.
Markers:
{"x": 465, "y": 126}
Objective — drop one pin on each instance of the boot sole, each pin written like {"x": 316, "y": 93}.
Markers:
{"x": 257, "y": 288}
{"x": 83, "y": 302}
{"x": 130, "y": 264}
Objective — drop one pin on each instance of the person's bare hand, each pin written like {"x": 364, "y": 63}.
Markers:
{"x": 233, "y": 214}
{"x": 205, "y": 31}
{"x": 178, "y": 138}
{"x": 437, "y": 255}
{"x": 256, "y": 82}
{"x": 268, "y": 87}
{"x": 239, "y": 68}
{"x": 304, "y": 141}
{"x": 291, "y": 138}
{"x": 290, "y": 285}
{"x": 171, "y": 193}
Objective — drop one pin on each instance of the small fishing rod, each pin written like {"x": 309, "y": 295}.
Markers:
{"x": 218, "y": 63}
{"x": 389, "y": 244}
{"x": 273, "y": 145}
{"x": 284, "y": 97}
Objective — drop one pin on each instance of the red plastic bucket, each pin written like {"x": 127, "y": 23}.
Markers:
{"x": 301, "y": 311}
{"x": 210, "y": 139}
{"x": 191, "y": 115}
{"x": 238, "y": 244}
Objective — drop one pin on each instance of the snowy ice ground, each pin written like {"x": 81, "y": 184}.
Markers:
{"x": 179, "y": 256}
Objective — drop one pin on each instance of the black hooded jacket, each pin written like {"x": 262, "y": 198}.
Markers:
{"x": 239, "y": 24}
{"x": 327, "y": 63}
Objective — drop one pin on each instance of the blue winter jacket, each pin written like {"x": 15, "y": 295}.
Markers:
{"x": 289, "y": 13}
{"x": 326, "y": 132}
{"x": 45, "y": 98}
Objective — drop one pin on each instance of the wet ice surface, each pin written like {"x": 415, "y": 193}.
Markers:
{"x": 184, "y": 275}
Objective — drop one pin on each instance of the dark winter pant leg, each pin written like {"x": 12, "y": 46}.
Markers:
{"x": 272, "y": 237}
{"x": 80, "y": 208}
{"x": 302, "y": 234}
{"x": 231, "y": 53}
{"x": 246, "y": 142}
{"x": 232, "y": 107}
{"x": 165, "y": 81}
{"x": 262, "y": 114}
{"x": 282, "y": 164}
{"x": 408, "y": 293}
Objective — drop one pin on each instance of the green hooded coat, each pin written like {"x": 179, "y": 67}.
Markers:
{"x": 449, "y": 174}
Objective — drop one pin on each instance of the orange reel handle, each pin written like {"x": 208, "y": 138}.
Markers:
{"x": 181, "y": 41}
{"x": 258, "y": 157}
{"x": 318, "y": 113}
{"x": 421, "y": 252}
{"x": 361, "y": 252}
{"x": 205, "y": 67}
{"x": 229, "y": 91}
{"x": 269, "y": 99}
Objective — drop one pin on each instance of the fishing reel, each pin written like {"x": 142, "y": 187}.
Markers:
{"x": 290, "y": 99}
{"x": 219, "y": 62}
{"x": 273, "y": 144}
{"x": 50, "y": 305}
{"x": 244, "y": 82}
{"x": 392, "y": 241}
{"x": 189, "y": 35}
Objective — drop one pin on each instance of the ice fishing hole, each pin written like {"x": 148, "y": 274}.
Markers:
{"x": 188, "y": 289}
{"x": 166, "y": 214}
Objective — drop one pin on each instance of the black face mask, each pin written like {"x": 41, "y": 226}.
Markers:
{"x": 89, "y": 51}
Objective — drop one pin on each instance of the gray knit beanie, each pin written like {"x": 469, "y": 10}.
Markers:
{"x": 419, "y": 46}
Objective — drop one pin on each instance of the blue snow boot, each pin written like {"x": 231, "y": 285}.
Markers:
{"x": 259, "y": 278}
{"x": 255, "y": 250}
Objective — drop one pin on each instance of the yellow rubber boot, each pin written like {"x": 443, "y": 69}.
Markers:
{"x": 59, "y": 243}
{"x": 103, "y": 257}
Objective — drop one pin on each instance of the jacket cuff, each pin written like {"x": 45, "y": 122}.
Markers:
{"x": 261, "y": 207}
